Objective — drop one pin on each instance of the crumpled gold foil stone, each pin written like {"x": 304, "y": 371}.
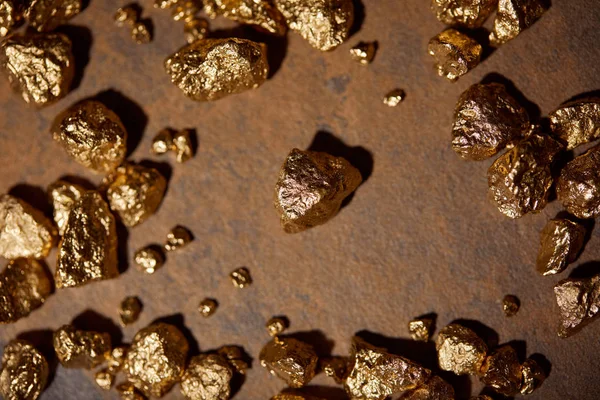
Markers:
{"x": 460, "y": 350}
{"x": 129, "y": 310}
{"x": 24, "y": 231}
{"x": 466, "y": 13}
{"x": 156, "y": 359}
{"x": 325, "y": 24}
{"x": 47, "y": 15}
{"x": 577, "y": 122}
{"x": 502, "y": 371}
{"x": 510, "y": 305}
{"x": 81, "y": 349}
{"x": 92, "y": 135}
{"x": 579, "y": 303}
{"x": 241, "y": 277}
{"x": 291, "y": 360}
{"x": 434, "y": 389}
{"x": 578, "y": 186}
{"x": 207, "y": 377}
{"x": 364, "y": 52}
{"x": 210, "y": 69}
{"x": 177, "y": 238}
{"x": 311, "y": 188}
{"x": 561, "y": 240}
{"x": 513, "y": 17}
{"x": 486, "y": 120}
{"x": 375, "y": 374}
{"x": 149, "y": 259}
{"x": 88, "y": 249}
{"x": 420, "y": 329}
{"x": 62, "y": 195}
{"x": 533, "y": 376}
{"x": 24, "y": 371}
{"x": 207, "y": 307}
{"x": 24, "y": 287}
{"x": 261, "y": 13}
{"x": 520, "y": 179}
{"x": 10, "y": 14}
{"x": 454, "y": 53}
{"x": 276, "y": 326}
{"x": 40, "y": 67}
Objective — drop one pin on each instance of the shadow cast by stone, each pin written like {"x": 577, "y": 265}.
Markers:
{"x": 321, "y": 392}
{"x": 90, "y": 320}
{"x": 588, "y": 224}
{"x": 489, "y": 336}
{"x": 34, "y": 196}
{"x": 178, "y": 320}
{"x": 359, "y": 17}
{"x": 586, "y": 270}
{"x": 317, "y": 339}
{"x": 81, "y": 38}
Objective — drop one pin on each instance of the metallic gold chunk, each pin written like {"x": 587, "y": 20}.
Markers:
{"x": 533, "y": 376}
{"x": 335, "y": 368}
{"x": 364, "y": 52}
{"x": 135, "y": 192}
{"x": 92, "y": 135}
{"x": 81, "y": 349}
{"x": 163, "y": 141}
{"x": 311, "y": 188}
{"x": 24, "y": 287}
{"x": 24, "y": 371}
{"x": 149, "y": 259}
{"x": 513, "y": 17}
{"x": 420, "y": 329}
{"x": 130, "y": 310}
{"x": 325, "y": 24}
{"x": 210, "y": 69}
{"x": 10, "y": 14}
{"x": 276, "y": 326}
{"x": 578, "y": 187}
{"x": 117, "y": 358}
{"x": 579, "y": 303}
{"x": 156, "y": 359}
{"x": 184, "y": 10}
{"x": 24, "y": 231}
{"x": 88, "y": 249}
{"x": 207, "y": 307}
{"x": 375, "y": 374}
{"x": 486, "y": 120}
{"x": 165, "y": 4}
{"x": 502, "y": 371}
{"x": 261, "y": 13}
{"x": 466, "y": 13}
{"x": 235, "y": 358}
{"x": 207, "y": 377}
{"x": 241, "y": 278}
{"x": 128, "y": 392}
{"x": 62, "y": 195}
{"x": 291, "y": 360}
{"x": 460, "y": 350}
{"x": 195, "y": 29}
{"x": 178, "y": 238}
{"x": 182, "y": 145}
{"x": 510, "y": 305}
{"x": 140, "y": 32}
{"x": 434, "y": 389}
{"x": 39, "y": 66}
{"x": 520, "y": 179}
{"x": 126, "y": 15}
{"x": 454, "y": 53}
{"x": 394, "y": 97}
{"x": 47, "y": 15}
{"x": 577, "y": 122}
{"x": 561, "y": 240}
{"x": 104, "y": 378}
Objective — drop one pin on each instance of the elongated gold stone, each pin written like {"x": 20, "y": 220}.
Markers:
{"x": 513, "y": 17}
{"x": 62, "y": 195}
{"x": 577, "y": 122}
{"x": 561, "y": 241}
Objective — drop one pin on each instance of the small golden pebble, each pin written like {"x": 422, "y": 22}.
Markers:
{"x": 140, "y": 32}
{"x": 277, "y": 325}
{"x": 420, "y": 329}
{"x": 130, "y": 310}
{"x": 163, "y": 141}
{"x": 104, "y": 378}
{"x": 510, "y": 305}
{"x": 207, "y": 307}
{"x": 241, "y": 278}
{"x": 178, "y": 238}
{"x": 364, "y": 52}
{"x": 393, "y": 98}
{"x": 149, "y": 259}
{"x": 128, "y": 14}
{"x": 127, "y": 391}
{"x": 455, "y": 53}
{"x": 195, "y": 29}
{"x": 182, "y": 145}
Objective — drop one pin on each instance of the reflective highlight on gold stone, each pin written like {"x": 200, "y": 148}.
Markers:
{"x": 92, "y": 135}
{"x": 207, "y": 377}
{"x": 466, "y": 13}
{"x": 577, "y": 122}
{"x": 533, "y": 376}
{"x": 235, "y": 357}
{"x": 182, "y": 145}
{"x": 62, "y": 195}
{"x": 24, "y": 371}
{"x": 128, "y": 392}
{"x": 162, "y": 142}
{"x": 88, "y": 249}
{"x": 178, "y": 237}
{"x": 195, "y": 29}
{"x": 394, "y": 97}
{"x": 513, "y": 17}
{"x": 311, "y": 188}
{"x": 140, "y": 32}
{"x": 460, "y": 350}
{"x": 129, "y": 310}
{"x": 291, "y": 360}
{"x": 335, "y": 368}
{"x": 276, "y": 326}
{"x": 420, "y": 329}
{"x": 510, "y": 305}
{"x": 104, "y": 379}
{"x": 207, "y": 307}
{"x": 364, "y": 52}
{"x": 579, "y": 303}
{"x": 434, "y": 389}
{"x": 24, "y": 231}
{"x": 81, "y": 349}
{"x": 126, "y": 15}
{"x": 502, "y": 371}
{"x": 39, "y": 66}
{"x": 261, "y": 13}
{"x": 210, "y": 69}
{"x": 578, "y": 187}
{"x": 454, "y": 53}
{"x": 149, "y": 259}
{"x": 47, "y": 15}
{"x": 10, "y": 14}
{"x": 241, "y": 278}
{"x": 561, "y": 240}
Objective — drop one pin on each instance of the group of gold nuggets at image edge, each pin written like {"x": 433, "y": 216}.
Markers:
{"x": 309, "y": 192}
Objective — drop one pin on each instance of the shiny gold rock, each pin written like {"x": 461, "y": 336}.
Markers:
{"x": 140, "y": 32}
{"x": 364, "y": 52}
{"x": 156, "y": 359}
{"x": 533, "y": 376}
{"x": 502, "y": 371}
{"x": 47, "y": 15}
{"x": 178, "y": 237}
{"x": 104, "y": 378}
{"x": 10, "y": 15}
{"x": 466, "y": 13}
{"x": 486, "y": 120}
{"x": 325, "y": 24}
{"x": 128, "y": 392}
{"x": 510, "y": 305}
{"x": 374, "y": 374}
{"x": 24, "y": 231}
{"x": 261, "y": 13}
{"x": 129, "y": 310}
{"x": 149, "y": 259}
{"x": 195, "y": 29}
{"x": 276, "y": 326}
{"x": 207, "y": 377}
{"x": 126, "y": 15}
{"x": 184, "y": 10}
{"x": 162, "y": 142}
{"x": 513, "y": 17}
{"x": 24, "y": 371}
{"x": 434, "y": 389}
{"x": 578, "y": 186}
{"x": 394, "y": 97}
{"x": 311, "y": 188}
{"x": 241, "y": 278}
{"x": 579, "y": 303}
{"x": 235, "y": 357}
{"x": 117, "y": 358}
{"x": 420, "y": 329}
{"x": 207, "y": 307}
{"x": 520, "y": 179}
{"x": 577, "y": 122}
{"x": 454, "y": 53}
{"x": 210, "y": 69}
{"x": 81, "y": 349}
{"x": 182, "y": 145}
{"x": 92, "y": 135}
{"x": 62, "y": 195}
{"x": 24, "y": 287}
{"x": 135, "y": 192}
{"x": 39, "y": 66}
{"x": 460, "y": 350}
{"x": 335, "y": 368}
{"x": 291, "y": 360}
{"x": 561, "y": 240}
{"x": 88, "y": 249}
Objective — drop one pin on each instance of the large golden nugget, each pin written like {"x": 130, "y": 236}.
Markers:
{"x": 578, "y": 186}
{"x": 579, "y": 303}
{"x": 434, "y": 389}
{"x": 24, "y": 371}
{"x": 454, "y": 53}
{"x": 252, "y": 12}
{"x": 561, "y": 240}
{"x": 81, "y": 349}
{"x": 513, "y": 17}
{"x": 502, "y": 371}
{"x": 466, "y": 13}
{"x": 577, "y": 122}
{"x": 291, "y": 360}
{"x": 62, "y": 195}
{"x": 460, "y": 350}
{"x": 47, "y": 15}
{"x": 207, "y": 377}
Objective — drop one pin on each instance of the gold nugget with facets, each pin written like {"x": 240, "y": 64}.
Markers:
{"x": 394, "y": 97}
{"x": 291, "y": 360}
{"x": 81, "y": 349}
{"x": 579, "y": 303}
{"x": 513, "y": 17}
{"x": 62, "y": 195}
{"x": 207, "y": 307}
{"x": 24, "y": 286}
{"x": 364, "y": 52}
{"x": 311, "y": 188}
{"x": 210, "y": 69}
{"x": 325, "y": 24}
{"x": 39, "y": 66}
{"x": 486, "y": 120}
{"x": 502, "y": 371}
{"x": 24, "y": 371}
{"x": 163, "y": 141}
{"x": 156, "y": 359}
{"x": 207, "y": 377}
{"x": 130, "y": 310}
{"x": 178, "y": 237}
{"x": 533, "y": 376}
{"x": 241, "y": 278}
{"x": 420, "y": 329}
{"x": 11, "y": 12}
{"x": 261, "y": 13}
{"x": 460, "y": 350}
{"x": 578, "y": 186}
{"x": 335, "y": 367}
{"x": 24, "y": 231}
{"x": 149, "y": 259}
{"x": 561, "y": 240}
{"x": 276, "y": 326}
{"x": 510, "y": 305}
{"x": 434, "y": 389}
{"x": 577, "y": 122}
{"x": 466, "y": 13}
{"x": 92, "y": 135}
{"x": 375, "y": 374}
{"x": 47, "y": 15}
{"x": 88, "y": 249}
{"x": 520, "y": 179}
{"x": 454, "y": 53}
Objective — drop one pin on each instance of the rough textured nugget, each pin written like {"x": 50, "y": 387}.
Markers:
{"x": 24, "y": 371}
{"x": 454, "y": 53}
{"x": 207, "y": 377}
{"x": 130, "y": 310}
{"x": 513, "y": 17}
{"x": 561, "y": 240}
{"x": 62, "y": 195}
{"x": 577, "y": 122}
{"x": 364, "y": 52}
{"x": 335, "y": 367}
{"x": 261, "y": 13}
{"x": 466, "y": 13}
{"x": 241, "y": 278}
{"x": 207, "y": 307}
{"x": 502, "y": 371}
{"x": 434, "y": 389}
{"x": 510, "y": 305}
{"x": 578, "y": 186}
{"x": 533, "y": 376}
{"x": 47, "y": 15}
{"x": 579, "y": 303}
{"x": 420, "y": 329}
{"x": 460, "y": 350}
{"x": 276, "y": 326}
{"x": 149, "y": 259}
{"x": 81, "y": 349}
{"x": 289, "y": 359}
{"x": 177, "y": 238}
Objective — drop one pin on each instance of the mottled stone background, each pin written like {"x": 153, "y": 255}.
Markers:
{"x": 418, "y": 237}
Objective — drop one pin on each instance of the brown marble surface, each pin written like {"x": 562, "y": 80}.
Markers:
{"x": 418, "y": 237}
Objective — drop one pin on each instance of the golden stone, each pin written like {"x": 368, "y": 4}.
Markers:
{"x": 578, "y": 186}
{"x": 47, "y": 15}
{"x": 195, "y": 29}
{"x": 513, "y": 17}
{"x": 104, "y": 379}
{"x": 62, "y": 195}
{"x": 420, "y": 329}
{"x": 502, "y": 371}
{"x": 335, "y": 368}
{"x": 510, "y": 305}
{"x": 460, "y": 350}
{"x": 128, "y": 392}
{"x": 579, "y": 303}
{"x": 364, "y": 52}
{"x": 117, "y": 358}
{"x": 140, "y": 32}
{"x": 81, "y": 349}
{"x": 162, "y": 142}
{"x": 394, "y": 97}
{"x": 129, "y": 310}
{"x": 207, "y": 307}
{"x": 235, "y": 357}
{"x": 577, "y": 122}
{"x": 126, "y": 15}
{"x": 276, "y": 326}
{"x": 261, "y": 13}
{"x": 454, "y": 53}
{"x": 434, "y": 389}
{"x": 561, "y": 240}
{"x": 207, "y": 377}
{"x": 182, "y": 145}
{"x": 149, "y": 259}
{"x": 241, "y": 278}
{"x": 291, "y": 360}
{"x": 533, "y": 376}
{"x": 178, "y": 237}
{"x": 24, "y": 371}
{"x": 10, "y": 15}
{"x": 466, "y": 13}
